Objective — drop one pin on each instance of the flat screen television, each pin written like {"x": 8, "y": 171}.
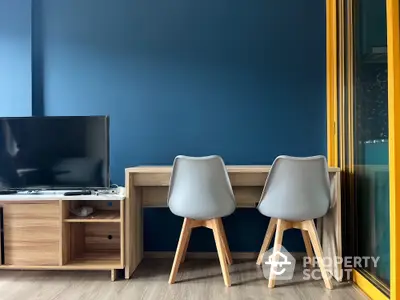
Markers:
{"x": 39, "y": 153}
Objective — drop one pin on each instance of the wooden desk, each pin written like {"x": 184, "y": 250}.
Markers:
{"x": 147, "y": 186}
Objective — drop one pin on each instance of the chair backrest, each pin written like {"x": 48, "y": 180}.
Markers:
{"x": 296, "y": 188}
{"x": 200, "y": 188}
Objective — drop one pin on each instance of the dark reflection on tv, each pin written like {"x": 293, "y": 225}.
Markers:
{"x": 53, "y": 152}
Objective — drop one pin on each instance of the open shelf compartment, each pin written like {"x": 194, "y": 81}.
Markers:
{"x": 103, "y": 211}
{"x": 92, "y": 245}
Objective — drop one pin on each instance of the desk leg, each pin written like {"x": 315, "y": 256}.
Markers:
{"x": 133, "y": 226}
{"x": 330, "y": 229}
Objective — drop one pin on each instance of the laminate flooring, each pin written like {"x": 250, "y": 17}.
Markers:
{"x": 196, "y": 280}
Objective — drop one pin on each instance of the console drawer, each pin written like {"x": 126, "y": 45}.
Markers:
{"x": 32, "y": 234}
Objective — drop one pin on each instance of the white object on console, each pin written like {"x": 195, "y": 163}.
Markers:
{"x": 83, "y": 211}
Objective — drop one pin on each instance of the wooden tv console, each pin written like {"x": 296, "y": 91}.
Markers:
{"x": 41, "y": 233}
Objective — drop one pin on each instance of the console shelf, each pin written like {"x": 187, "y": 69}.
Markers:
{"x": 100, "y": 216}
{"x": 97, "y": 260}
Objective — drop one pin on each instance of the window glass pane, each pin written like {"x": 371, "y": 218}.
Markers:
{"x": 371, "y": 136}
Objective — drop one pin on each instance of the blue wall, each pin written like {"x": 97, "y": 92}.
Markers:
{"x": 242, "y": 79}
{"x": 15, "y": 58}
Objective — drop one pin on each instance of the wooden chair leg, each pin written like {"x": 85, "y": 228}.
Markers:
{"x": 312, "y": 231}
{"x": 307, "y": 244}
{"x": 186, "y": 246}
{"x": 280, "y": 228}
{"x": 267, "y": 240}
{"x": 184, "y": 237}
{"x": 225, "y": 244}
{"x": 220, "y": 249}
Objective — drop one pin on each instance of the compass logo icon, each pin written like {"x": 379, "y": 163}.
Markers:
{"x": 281, "y": 263}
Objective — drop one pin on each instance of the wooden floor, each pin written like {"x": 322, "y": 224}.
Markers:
{"x": 197, "y": 279}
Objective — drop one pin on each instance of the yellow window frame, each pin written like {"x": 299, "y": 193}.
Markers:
{"x": 335, "y": 115}
{"x": 393, "y": 44}
{"x": 331, "y": 83}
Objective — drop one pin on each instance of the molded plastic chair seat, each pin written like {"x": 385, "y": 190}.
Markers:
{"x": 200, "y": 188}
{"x": 200, "y": 191}
{"x": 295, "y": 193}
{"x": 297, "y": 189}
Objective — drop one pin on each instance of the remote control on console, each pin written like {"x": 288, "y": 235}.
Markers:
{"x": 78, "y": 193}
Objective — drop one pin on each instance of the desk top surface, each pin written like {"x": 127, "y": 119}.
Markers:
{"x": 230, "y": 168}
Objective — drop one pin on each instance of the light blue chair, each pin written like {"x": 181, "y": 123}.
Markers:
{"x": 200, "y": 192}
{"x": 296, "y": 192}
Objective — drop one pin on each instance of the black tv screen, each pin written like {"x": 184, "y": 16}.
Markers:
{"x": 54, "y": 153}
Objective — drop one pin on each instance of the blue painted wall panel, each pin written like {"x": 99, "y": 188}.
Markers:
{"x": 242, "y": 79}
{"x": 15, "y": 58}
